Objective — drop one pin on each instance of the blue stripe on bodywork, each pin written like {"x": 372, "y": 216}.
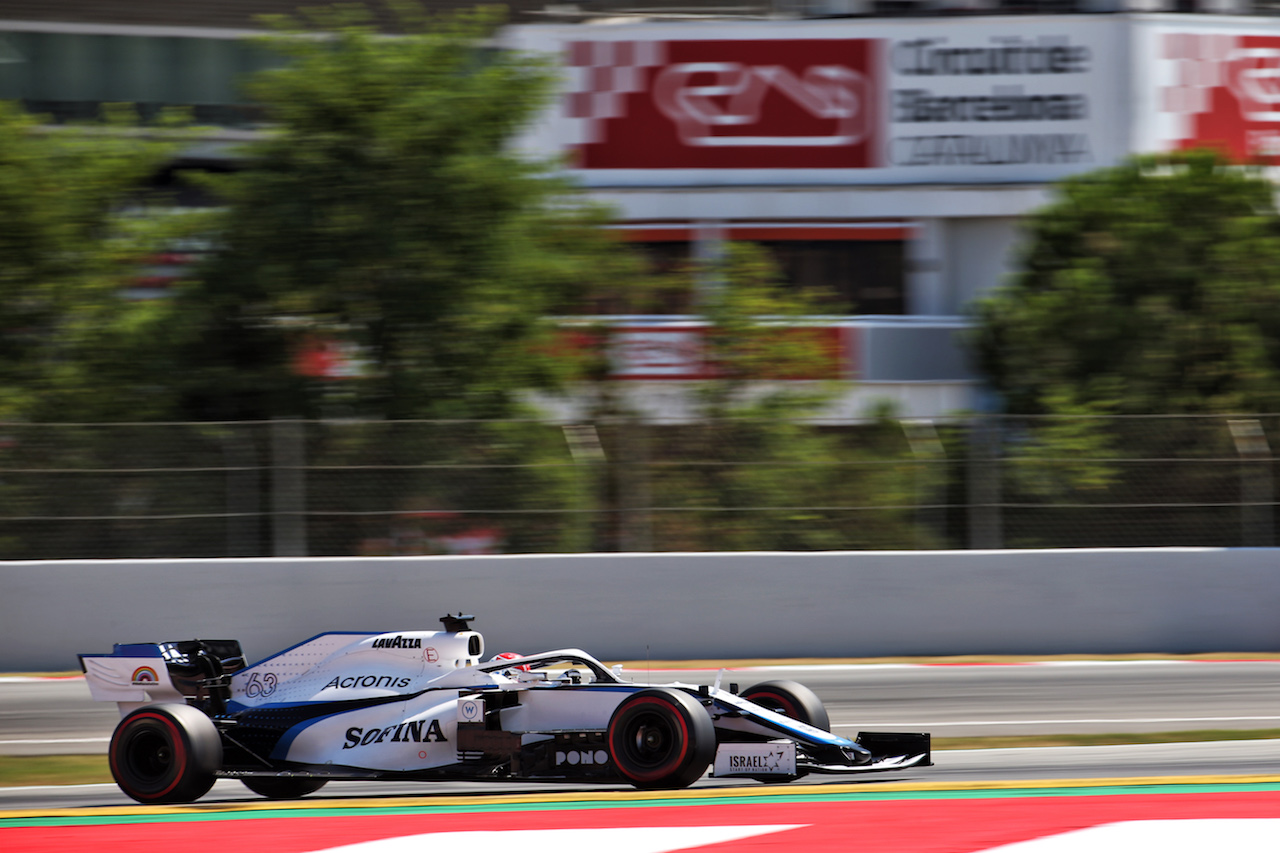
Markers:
{"x": 131, "y": 650}
{"x": 280, "y": 751}
{"x": 821, "y": 737}
{"x": 781, "y": 723}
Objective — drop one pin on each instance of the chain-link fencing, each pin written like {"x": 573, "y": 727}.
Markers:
{"x": 334, "y": 488}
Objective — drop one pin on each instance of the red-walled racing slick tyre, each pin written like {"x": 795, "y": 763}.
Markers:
{"x": 661, "y": 738}
{"x": 165, "y": 754}
{"x": 283, "y": 787}
{"x": 791, "y": 699}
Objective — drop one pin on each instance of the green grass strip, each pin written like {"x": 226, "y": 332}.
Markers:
{"x": 22, "y": 770}
{"x": 217, "y": 813}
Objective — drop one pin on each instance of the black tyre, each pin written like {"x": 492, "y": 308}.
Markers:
{"x": 283, "y": 787}
{"x": 165, "y": 754}
{"x": 661, "y": 738}
{"x": 790, "y": 699}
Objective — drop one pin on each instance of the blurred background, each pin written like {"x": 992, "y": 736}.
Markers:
{"x": 828, "y": 275}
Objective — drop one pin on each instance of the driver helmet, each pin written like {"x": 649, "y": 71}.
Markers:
{"x": 509, "y": 656}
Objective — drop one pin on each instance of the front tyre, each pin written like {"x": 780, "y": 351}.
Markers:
{"x": 283, "y": 787}
{"x": 165, "y": 754}
{"x": 661, "y": 738}
{"x": 790, "y": 699}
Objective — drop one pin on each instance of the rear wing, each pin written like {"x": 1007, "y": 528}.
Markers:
{"x": 188, "y": 671}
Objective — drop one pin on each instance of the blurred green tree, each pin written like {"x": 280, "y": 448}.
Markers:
{"x": 755, "y": 469}
{"x": 1147, "y": 288}
{"x": 70, "y": 245}
{"x": 384, "y": 253}
{"x": 385, "y": 230}
{"x": 1150, "y": 287}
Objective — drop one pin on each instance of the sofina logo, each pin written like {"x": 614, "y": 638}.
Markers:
{"x": 144, "y": 675}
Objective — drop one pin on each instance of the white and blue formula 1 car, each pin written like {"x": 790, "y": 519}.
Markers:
{"x": 422, "y": 705}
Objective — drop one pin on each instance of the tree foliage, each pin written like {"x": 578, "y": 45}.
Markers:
{"x": 70, "y": 345}
{"x": 753, "y": 468}
{"x": 1151, "y": 287}
{"x": 385, "y": 210}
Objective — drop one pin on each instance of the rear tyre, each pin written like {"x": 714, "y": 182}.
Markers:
{"x": 283, "y": 787}
{"x": 165, "y": 754}
{"x": 661, "y": 738}
{"x": 790, "y": 699}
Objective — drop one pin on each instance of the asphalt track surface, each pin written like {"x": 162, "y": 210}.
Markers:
{"x": 44, "y": 716}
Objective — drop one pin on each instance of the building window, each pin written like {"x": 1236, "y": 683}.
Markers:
{"x": 847, "y": 276}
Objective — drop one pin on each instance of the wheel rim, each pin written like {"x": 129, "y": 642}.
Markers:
{"x": 652, "y": 740}
{"x": 149, "y": 757}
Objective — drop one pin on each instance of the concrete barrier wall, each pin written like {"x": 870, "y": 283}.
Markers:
{"x": 666, "y": 606}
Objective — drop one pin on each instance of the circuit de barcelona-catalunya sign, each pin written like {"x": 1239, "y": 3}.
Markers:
{"x": 837, "y": 102}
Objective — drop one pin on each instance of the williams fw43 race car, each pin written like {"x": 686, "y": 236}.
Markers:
{"x": 424, "y": 705}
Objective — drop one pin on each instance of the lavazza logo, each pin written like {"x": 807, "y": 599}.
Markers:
{"x": 398, "y": 642}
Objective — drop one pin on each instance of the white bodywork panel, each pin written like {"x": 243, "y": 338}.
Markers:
{"x": 384, "y": 737}
{"x": 755, "y": 759}
{"x": 551, "y": 709}
{"x": 338, "y": 667}
{"x": 129, "y": 681}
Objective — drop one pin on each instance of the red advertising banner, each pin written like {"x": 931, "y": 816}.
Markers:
{"x": 679, "y": 351}
{"x": 761, "y": 104}
{"x": 1225, "y": 93}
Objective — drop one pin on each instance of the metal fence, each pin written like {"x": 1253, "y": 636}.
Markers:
{"x": 74, "y": 491}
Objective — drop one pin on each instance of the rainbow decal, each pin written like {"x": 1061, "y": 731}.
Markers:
{"x": 144, "y": 675}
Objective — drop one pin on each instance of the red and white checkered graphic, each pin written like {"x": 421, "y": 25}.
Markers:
{"x": 1194, "y": 64}
{"x": 1221, "y": 91}
{"x": 601, "y": 76}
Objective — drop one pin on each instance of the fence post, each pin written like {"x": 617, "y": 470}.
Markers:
{"x": 587, "y": 450}
{"x": 986, "y": 527}
{"x": 634, "y": 493}
{"x": 288, "y": 488}
{"x": 1256, "y": 484}
{"x": 243, "y": 494}
{"x": 928, "y": 452}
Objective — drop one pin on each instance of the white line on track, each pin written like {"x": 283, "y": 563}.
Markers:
{"x": 18, "y": 788}
{"x": 834, "y": 667}
{"x": 1254, "y": 747}
{"x": 634, "y": 839}
{"x": 820, "y": 667}
{"x": 54, "y": 740}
